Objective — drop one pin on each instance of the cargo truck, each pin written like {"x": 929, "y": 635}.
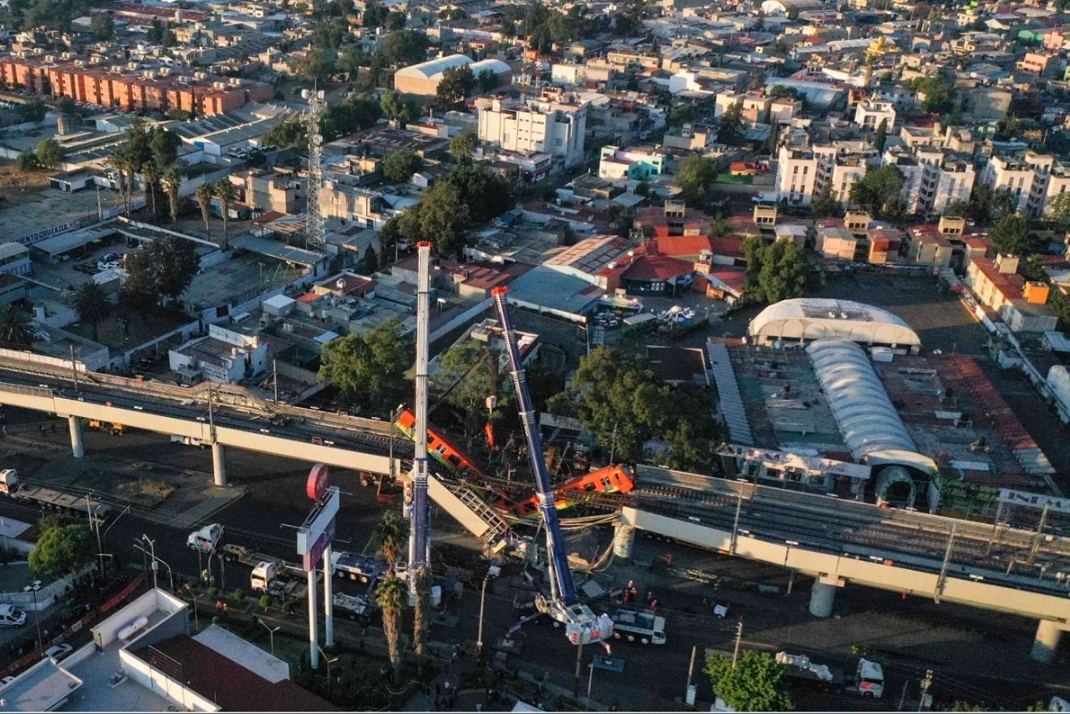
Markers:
{"x": 10, "y": 485}
{"x": 802, "y": 670}
{"x": 642, "y": 625}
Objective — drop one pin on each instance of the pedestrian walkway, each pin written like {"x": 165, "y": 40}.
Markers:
{"x": 217, "y": 498}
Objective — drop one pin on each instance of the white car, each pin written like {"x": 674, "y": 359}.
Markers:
{"x": 57, "y": 653}
{"x": 6, "y": 681}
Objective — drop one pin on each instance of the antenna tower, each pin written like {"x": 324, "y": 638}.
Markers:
{"x": 314, "y": 226}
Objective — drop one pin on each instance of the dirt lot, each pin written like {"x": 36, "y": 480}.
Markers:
{"x": 19, "y": 187}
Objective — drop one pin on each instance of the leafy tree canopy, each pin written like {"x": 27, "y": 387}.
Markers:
{"x": 369, "y": 368}
{"x": 475, "y": 373}
{"x": 161, "y": 272}
{"x": 405, "y": 47}
{"x": 879, "y": 191}
{"x": 1011, "y": 236}
{"x": 755, "y": 684}
{"x": 456, "y": 85}
{"x": 62, "y": 550}
{"x": 940, "y": 93}
{"x": 400, "y": 166}
{"x": 695, "y": 177}
{"x": 776, "y": 271}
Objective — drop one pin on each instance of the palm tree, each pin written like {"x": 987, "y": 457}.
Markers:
{"x": 391, "y": 535}
{"x": 224, "y": 193}
{"x": 120, "y": 162}
{"x": 15, "y": 328}
{"x": 392, "y": 596}
{"x": 151, "y": 174}
{"x": 204, "y": 197}
{"x": 92, "y": 304}
{"x": 171, "y": 182}
{"x": 422, "y": 612}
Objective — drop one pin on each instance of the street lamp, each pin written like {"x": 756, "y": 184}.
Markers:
{"x": 479, "y": 638}
{"x": 272, "y": 631}
{"x": 33, "y": 588}
{"x": 196, "y": 617}
{"x": 590, "y": 680}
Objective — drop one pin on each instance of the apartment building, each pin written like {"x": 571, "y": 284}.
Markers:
{"x": 632, "y": 163}
{"x": 1033, "y": 178}
{"x": 554, "y": 123}
{"x": 129, "y": 87}
{"x": 344, "y": 199}
{"x": 934, "y": 177}
{"x": 871, "y": 112}
{"x": 804, "y": 173}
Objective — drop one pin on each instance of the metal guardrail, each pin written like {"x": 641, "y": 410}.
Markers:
{"x": 29, "y": 391}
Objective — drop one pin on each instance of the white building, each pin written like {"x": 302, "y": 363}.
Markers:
{"x": 223, "y": 356}
{"x": 871, "y": 112}
{"x": 553, "y": 123}
{"x": 1033, "y": 178}
{"x": 934, "y": 178}
{"x": 804, "y": 173}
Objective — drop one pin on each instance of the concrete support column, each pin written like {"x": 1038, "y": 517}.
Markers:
{"x": 75, "y": 427}
{"x": 1046, "y": 642}
{"x": 313, "y": 622}
{"x": 219, "y": 463}
{"x": 623, "y": 541}
{"x": 328, "y": 601}
{"x": 822, "y": 597}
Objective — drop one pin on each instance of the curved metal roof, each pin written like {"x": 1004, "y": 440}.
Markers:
{"x": 819, "y": 318}
{"x": 862, "y": 409}
{"x": 430, "y": 68}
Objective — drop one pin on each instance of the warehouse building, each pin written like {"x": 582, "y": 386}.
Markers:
{"x": 422, "y": 79}
{"x": 807, "y": 319}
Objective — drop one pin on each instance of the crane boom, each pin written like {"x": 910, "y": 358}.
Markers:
{"x": 582, "y": 626}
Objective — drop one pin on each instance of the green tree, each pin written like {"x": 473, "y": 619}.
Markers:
{"x": 162, "y": 271}
{"x": 776, "y": 271}
{"x": 1060, "y": 303}
{"x": 370, "y": 262}
{"x": 102, "y": 27}
{"x": 370, "y": 368}
{"x": 405, "y": 47}
{"x": 754, "y": 684}
{"x": 398, "y": 110}
{"x": 1011, "y": 235}
{"x": 164, "y": 145}
{"x": 824, "y": 205}
{"x": 391, "y": 537}
{"x": 464, "y": 145}
{"x": 392, "y": 595}
{"x": 692, "y": 436}
{"x": 33, "y": 111}
{"x": 329, "y": 34}
{"x": 287, "y": 134}
{"x": 456, "y": 85}
{"x": 400, "y": 166}
{"x": 939, "y": 93}
{"x": 487, "y": 81}
{"x": 15, "y": 328}
{"x": 317, "y": 65}
{"x": 93, "y": 305}
{"x": 225, "y": 193}
{"x": 422, "y": 613}
{"x": 395, "y": 20}
{"x": 486, "y": 194}
{"x": 619, "y": 400}
{"x": 879, "y": 191}
{"x": 156, "y": 31}
{"x": 204, "y": 200}
{"x": 474, "y": 371}
{"x": 61, "y": 550}
{"x": 69, "y": 108}
{"x": 27, "y": 161}
{"x": 881, "y": 137}
{"x": 695, "y": 177}
{"x": 1058, "y": 211}
{"x": 353, "y": 115}
{"x": 151, "y": 175}
{"x": 374, "y": 16}
{"x": 444, "y": 217}
{"x": 731, "y": 130}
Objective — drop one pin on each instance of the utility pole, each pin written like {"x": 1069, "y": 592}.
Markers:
{"x": 1036, "y": 540}
{"x": 735, "y": 523}
{"x": 739, "y": 638}
{"x": 94, "y": 525}
{"x": 74, "y": 368}
{"x": 275, "y": 379}
{"x": 689, "y": 697}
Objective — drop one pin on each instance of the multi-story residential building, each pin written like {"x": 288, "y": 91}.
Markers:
{"x": 1034, "y": 179}
{"x": 871, "y": 112}
{"x": 345, "y": 199}
{"x": 804, "y": 173}
{"x": 553, "y": 123}
{"x": 268, "y": 190}
{"x": 631, "y": 163}
{"x": 934, "y": 178}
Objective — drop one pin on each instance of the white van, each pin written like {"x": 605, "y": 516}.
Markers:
{"x": 11, "y": 616}
{"x": 206, "y": 539}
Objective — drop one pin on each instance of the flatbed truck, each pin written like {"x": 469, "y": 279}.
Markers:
{"x": 12, "y": 486}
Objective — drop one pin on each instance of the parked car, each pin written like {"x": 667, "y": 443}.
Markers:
{"x": 58, "y": 653}
{"x": 6, "y": 681}
{"x": 11, "y": 616}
